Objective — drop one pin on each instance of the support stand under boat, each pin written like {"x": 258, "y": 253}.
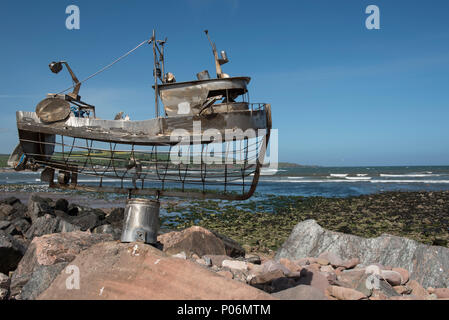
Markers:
{"x": 141, "y": 221}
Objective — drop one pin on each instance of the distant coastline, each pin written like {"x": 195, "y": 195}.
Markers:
{"x": 4, "y": 165}
{"x": 295, "y": 165}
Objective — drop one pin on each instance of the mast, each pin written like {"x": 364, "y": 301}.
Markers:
{"x": 155, "y": 70}
{"x": 159, "y": 67}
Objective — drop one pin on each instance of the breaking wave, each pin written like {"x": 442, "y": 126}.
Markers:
{"x": 409, "y": 175}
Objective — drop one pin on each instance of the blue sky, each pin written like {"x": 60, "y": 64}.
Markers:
{"x": 341, "y": 95}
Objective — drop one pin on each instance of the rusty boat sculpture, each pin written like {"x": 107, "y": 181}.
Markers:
{"x": 77, "y": 150}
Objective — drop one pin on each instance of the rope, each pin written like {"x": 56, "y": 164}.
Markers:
{"x": 108, "y": 66}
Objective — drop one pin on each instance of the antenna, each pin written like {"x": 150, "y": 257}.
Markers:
{"x": 218, "y": 61}
{"x": 162, "y": 57}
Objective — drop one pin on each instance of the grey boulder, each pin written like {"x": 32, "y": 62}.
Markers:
{"x": 109, "y": 229}
{"x": 49, "y": 224}
{"x": 45, "y": 259}
{"x": 429, "y": 265}
{"x": 38, "y": 206}
{"x": 11, "y": 251}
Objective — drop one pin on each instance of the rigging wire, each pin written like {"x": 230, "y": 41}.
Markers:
{"x": 108, "y": 66}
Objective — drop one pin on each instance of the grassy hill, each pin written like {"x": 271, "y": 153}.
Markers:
{"x": 293, "y": 165}
{"x": 3, "y": 160}
{"x": 125, "y": 155}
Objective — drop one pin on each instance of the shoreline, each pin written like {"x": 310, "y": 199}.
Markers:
{"x": 262, "y": 224}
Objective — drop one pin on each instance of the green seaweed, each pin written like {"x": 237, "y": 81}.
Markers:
{"x": 265, "y": 223}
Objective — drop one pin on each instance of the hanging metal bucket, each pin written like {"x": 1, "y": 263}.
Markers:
{"x": 141, "y": 221}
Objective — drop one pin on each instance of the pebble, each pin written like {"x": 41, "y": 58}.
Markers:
{"x": 392, "y": 277}
{"x": 267, "y": 277}
{"x": 417, "y": 289}
{"x": 327, "y": 268}
{"x": 255, "y": 269}
{"x": 290, "y": 265}
{"x": 332, "y": 258}
{"x": 250, "y": 277}
{"x": 442, "y": 293}
{"x": 235, "y": 265}
{"x": 342, "y": 293}
{"x": 339, "y": 270}
{"x": 432, "y": 296}
{"x": 330, "y": 276}
{"x": 202, "y": 262}
{"x": 314, "y": 266}
{"x": 302, "y": 262}
{"x": 373, "y": 269}
{"x": 377, "y": 295}
{"x": 404, "y": 274}
{"x": 181, "y": 255}
{"x": 271, "y": 265}
{"x": 351, "y": 263}
{"x": 402, "y": 289}
{"x": 208, "y": 261}
{"x": 216, "y": 259}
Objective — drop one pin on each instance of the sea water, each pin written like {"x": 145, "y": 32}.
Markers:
{"x": 311, "y": 181}
{"x": 353, "y": 181}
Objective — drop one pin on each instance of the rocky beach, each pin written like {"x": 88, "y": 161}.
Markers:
{"x": 387, "y": 246}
